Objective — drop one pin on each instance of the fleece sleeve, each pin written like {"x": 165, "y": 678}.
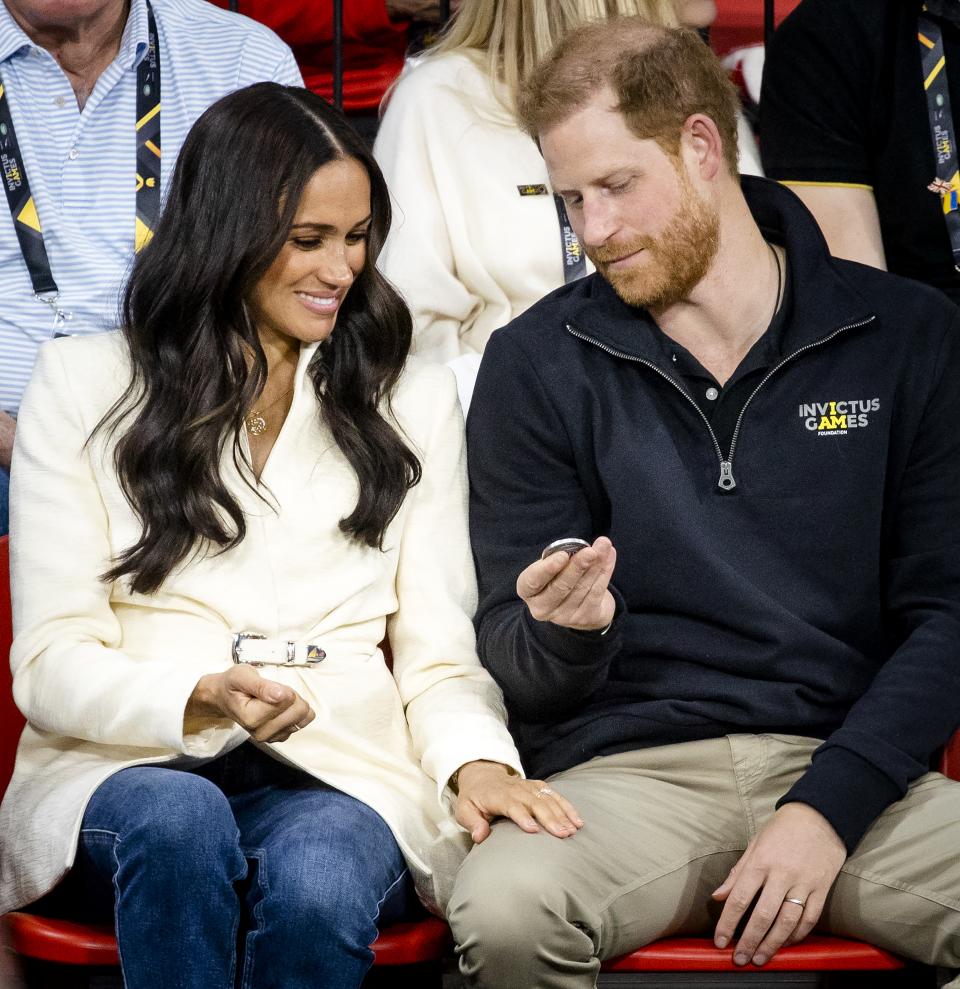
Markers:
{"x": 525, "y": 493}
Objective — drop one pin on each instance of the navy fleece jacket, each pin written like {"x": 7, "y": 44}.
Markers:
{"x": 820, "y": 596}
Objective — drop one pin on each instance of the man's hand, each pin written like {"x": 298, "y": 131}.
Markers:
{"x": 796, "y": 856}
{"x": 572, "y": 591}
{"x": 8, "y": 426}
{"x": 486, "y": 790}
{"x": 270, "y": 711}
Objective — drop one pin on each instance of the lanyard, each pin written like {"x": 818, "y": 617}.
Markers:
{"x": 574, "y": 262}
{"x": 23, "y": 209}
{"x": 947, "y": 180}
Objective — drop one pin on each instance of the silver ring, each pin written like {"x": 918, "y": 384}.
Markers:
{"x": 545, "y": 791}
{"x": 295, "y": 728}
{"x": 793, "y": 899}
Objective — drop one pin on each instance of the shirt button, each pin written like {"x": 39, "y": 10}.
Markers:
{"x": 58, "y": 101}
{"x": 72, "y": 153}
{"x": 712, "y": 394}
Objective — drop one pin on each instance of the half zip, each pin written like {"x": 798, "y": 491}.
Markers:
{"x": 726, "y": 482}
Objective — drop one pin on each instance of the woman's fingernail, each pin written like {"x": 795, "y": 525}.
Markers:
{"x": 740, "y": 958}
{"x": 720, "y": 942}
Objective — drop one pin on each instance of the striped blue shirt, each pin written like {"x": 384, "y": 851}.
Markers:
{"x": 82, "y": 165}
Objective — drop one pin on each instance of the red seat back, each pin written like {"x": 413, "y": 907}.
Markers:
{"x": 11, "y": 720}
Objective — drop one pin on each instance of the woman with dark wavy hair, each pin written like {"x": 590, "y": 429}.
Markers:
{"x": 218, "y": 515}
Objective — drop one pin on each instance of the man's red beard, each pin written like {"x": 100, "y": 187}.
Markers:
{"x": 673, "y": 263}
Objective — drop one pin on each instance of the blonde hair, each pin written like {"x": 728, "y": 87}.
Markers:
{"x": 509, "y": 37}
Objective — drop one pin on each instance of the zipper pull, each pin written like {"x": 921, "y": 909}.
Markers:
{"x": 726, "y": 482}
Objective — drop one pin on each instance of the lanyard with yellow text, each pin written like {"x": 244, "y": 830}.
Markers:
{"x": 23, "y": 209}
{"x": 946, "y": 182}
{"x": 574, "y": 263}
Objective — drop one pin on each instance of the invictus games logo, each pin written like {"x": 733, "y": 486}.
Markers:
{"x": 837, "y": 418}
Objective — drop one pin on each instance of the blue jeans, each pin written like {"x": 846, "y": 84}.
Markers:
{"x": 242, "y": 874}
{"x": 4, "y": 502}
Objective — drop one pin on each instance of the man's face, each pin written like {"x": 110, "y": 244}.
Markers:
{"x": 636, "y": 209}
{"x": 60, "y": 14}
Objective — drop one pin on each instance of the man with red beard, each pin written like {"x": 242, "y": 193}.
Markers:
{"x": 733, "y": 693}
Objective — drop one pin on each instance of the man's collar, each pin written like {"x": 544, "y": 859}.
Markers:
{"x": 823, "y": 300}
{"x": 12, "y": 36}
{"x": 136, "y": 35}
{"x": 133, "y": 44}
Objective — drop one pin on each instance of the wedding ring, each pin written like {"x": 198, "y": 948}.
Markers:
{"x": 296, "y": 728}
{"x": 545, "y": 791}
{"x": 793, "y": 899}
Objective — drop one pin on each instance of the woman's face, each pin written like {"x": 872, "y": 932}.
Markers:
{"x": 696, "y": 13}
{"x": 302, "y": 291}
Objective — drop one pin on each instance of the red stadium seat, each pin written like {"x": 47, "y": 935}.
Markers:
{"x": 740, "y": 23}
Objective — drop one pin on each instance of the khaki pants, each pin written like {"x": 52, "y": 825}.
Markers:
{"x": 663, "y": 828}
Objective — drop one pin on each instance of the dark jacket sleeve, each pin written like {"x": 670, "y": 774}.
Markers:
{"x": 913, "y": 704}
{"x": 525, "y": 493}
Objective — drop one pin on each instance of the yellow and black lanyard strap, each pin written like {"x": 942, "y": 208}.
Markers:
{"x": 946, "y": 182}
{"x": 574, "y": 262}
{"x": 23, "y": 209}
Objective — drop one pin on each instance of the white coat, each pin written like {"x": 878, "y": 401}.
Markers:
{"x": 103, "y": 674}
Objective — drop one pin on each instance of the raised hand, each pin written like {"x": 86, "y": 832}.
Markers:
{"x": 572, "y": 591}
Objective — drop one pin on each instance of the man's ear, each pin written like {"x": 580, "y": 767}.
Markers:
{"x": 701, "y": 141}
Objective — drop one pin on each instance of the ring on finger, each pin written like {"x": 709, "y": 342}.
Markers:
{"x": 545, "y": 791}
{"x": 793, "y": 899}
{"x": 296, "y": 727}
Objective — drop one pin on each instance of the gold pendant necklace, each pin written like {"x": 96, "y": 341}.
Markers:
{"x": 256, "y": 422}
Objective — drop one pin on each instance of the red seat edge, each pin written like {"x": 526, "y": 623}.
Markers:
{"x": 412, "y": 942}
{"x": 71, "y": 943}
{"x": 816, "y": 953}
{"x": 63, "y": 941}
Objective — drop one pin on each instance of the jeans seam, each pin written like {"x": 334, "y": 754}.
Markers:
{"x": 253, "y": 933}
{"x": 389, "y": 889}
{"x": 116, "y": 897}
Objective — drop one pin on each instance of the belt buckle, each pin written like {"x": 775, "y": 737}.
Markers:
{"x": 314, "y": 654}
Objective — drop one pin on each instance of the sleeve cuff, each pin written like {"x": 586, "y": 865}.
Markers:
{"x": 849, "y": 791}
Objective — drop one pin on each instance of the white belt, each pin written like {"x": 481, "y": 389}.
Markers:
{"x": 258, "y": 650}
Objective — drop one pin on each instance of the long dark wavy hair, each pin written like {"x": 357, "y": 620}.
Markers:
{"x": 197, "y": 361}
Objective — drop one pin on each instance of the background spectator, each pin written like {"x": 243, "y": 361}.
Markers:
{"x": 71, "y": 77}
{"x": 845, "y": 122}
{"x": 478, "y": 236}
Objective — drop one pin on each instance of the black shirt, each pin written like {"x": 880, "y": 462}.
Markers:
{"x": 722, "y": 404}
{"x": 843, "y": 102}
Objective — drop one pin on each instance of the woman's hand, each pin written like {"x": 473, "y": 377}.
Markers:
{"x": 487, "y": 790}
{"x": 270, "y": 711}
